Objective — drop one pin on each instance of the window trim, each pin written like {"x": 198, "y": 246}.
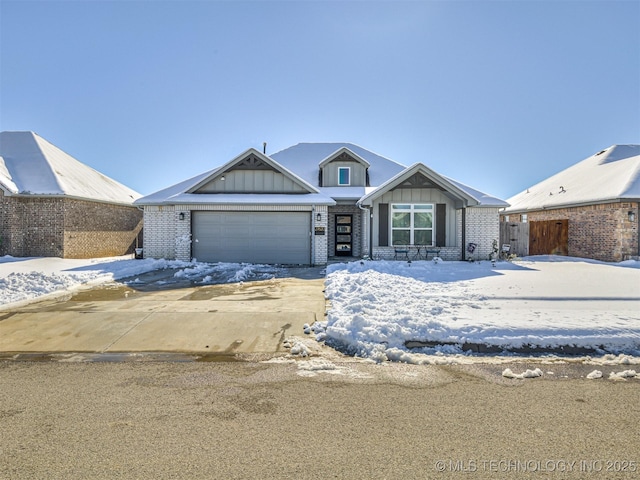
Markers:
{"x": 348, "y": 183}
{"x": 393, "y": 208}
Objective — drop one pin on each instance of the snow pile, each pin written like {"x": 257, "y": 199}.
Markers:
{"x": 25, "y": 279}
{"x": 507, "y": 373}
{"x": 594, "y": 375}
{"x": 622, "y": 375}
{"x": 309, "y": 368}
{"x": 379, "y": 309}
{"x": 208, "y": 273}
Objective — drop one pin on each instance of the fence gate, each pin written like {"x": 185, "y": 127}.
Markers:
{"x": 550, "y": 237}
{"x": 515, "y": 234}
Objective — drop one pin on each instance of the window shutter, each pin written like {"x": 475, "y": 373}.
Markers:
{"x": 383, "y": 224}
{"x": 441, "y": 225}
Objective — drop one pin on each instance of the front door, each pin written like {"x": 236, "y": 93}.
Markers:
{"x": 343, "y": 234}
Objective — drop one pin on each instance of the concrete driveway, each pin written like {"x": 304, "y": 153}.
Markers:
{"x": 157, "y": 313}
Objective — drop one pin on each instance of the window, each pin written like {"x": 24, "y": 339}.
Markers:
{"x": 412, "y": 224}
{"x": 523, "y": 218}
{"x": 344, "y": 176}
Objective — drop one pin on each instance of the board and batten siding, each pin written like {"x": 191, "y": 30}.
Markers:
{"x": 414, "y": 195}
{"x": 357, "y": 174}
{"x": 252, "y": 181}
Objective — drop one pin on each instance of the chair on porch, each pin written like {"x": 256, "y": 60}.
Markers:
{"x": 401, "y": 251}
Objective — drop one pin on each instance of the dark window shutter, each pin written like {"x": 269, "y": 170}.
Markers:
{"x": 383, "y": 224}
{"x": 441, "y": 225}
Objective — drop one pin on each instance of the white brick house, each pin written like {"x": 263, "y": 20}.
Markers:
{"x": 315, "y": 201}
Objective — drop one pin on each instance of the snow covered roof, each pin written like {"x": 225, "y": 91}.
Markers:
{"x": 302, "y": 161}
{"x": 305, "y": 158}
{"x": 182, "y": 193}
{"x": 29, "y": 165}
{"x": 610, "y": 175}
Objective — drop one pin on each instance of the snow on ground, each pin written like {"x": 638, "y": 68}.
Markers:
{"x": 26, "y": 279}
{"x": 536, "y": 302}
{"x": 377, "y": 306}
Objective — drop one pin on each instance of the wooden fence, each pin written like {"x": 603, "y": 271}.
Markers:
{"x": 549, "y": 237}
{"x": 515, "y": 234}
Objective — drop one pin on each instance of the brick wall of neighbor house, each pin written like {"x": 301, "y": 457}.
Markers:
{"x": 482, "y": 228}
{"x": 356, "y": 228}
{"x": 95, "y": 229}
{"x": 32, "y": 227}
{"x": 160, "y": 232}
{"x": 69, "y": 228}
{"x": 601, "y": 232}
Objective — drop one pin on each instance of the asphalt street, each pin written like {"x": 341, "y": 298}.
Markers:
{"x": 247, "y": 420}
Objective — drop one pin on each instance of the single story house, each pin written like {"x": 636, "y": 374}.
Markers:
{"x": 312, "y": 202}
{"x": 588, "y": 210}
{"x": 51, "y": 205}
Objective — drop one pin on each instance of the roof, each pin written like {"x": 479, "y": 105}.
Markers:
{"x": 462, "y": 194}
{"x": 608, "y": 176}
{"x": 182, "y": 193}
{"x": 302, "y": 161}
{"x": 30, "y": 165}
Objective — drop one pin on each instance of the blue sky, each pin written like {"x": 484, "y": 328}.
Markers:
{"x": 496, "y": 94}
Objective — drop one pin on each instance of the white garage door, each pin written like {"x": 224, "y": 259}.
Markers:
{"x": 252, "y": 237}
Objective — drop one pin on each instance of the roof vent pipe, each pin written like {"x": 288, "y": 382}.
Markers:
{"x": 264, "y": 147}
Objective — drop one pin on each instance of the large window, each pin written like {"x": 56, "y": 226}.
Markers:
{"x": 412, "y": 224}
{"x": 344, "y": 176}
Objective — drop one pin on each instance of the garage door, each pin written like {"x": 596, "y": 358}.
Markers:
{"x": 252, "y": 237}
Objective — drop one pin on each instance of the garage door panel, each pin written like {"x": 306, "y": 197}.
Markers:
{"x": 252, "y": 237}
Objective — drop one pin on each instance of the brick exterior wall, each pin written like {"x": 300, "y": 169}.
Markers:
{"x": 482, "y": 228}
{"x": 320, "y": 242}
{"x": 600, "y": 232}
{"x": 160, "y": 232}
{"x": 68, "y": 228}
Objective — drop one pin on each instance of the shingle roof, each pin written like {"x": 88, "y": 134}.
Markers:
{"x": 610, "y": 175}
{"x": 30, "y": 165}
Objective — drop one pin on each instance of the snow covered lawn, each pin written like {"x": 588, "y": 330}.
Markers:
{"x": 550, "y": 302}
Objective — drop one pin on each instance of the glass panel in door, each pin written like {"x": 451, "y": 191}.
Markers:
{"x": 343, "y": 234}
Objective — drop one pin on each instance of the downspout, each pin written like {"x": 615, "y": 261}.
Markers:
{"x": 638, "y": 227}
{"x": 370, "y": 220}
{"x": 313, "y": 238}
{"x": 464, "y": 233}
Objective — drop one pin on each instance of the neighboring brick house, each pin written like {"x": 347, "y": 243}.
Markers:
{"x": 51, "y": 205}
{"x": 589, "y": 210}
{"x": 313, "y": 202}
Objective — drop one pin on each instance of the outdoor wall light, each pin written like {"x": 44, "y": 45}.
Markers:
{"x": 181, "y": 216}
{"x": 319, "y": 217}
{"x": 632, "y": 216}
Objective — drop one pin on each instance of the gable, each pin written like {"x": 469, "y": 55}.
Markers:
{"x": 418, "y": 180}
{"x": 422, "y": 179}
{"x": 251, "y": 173}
